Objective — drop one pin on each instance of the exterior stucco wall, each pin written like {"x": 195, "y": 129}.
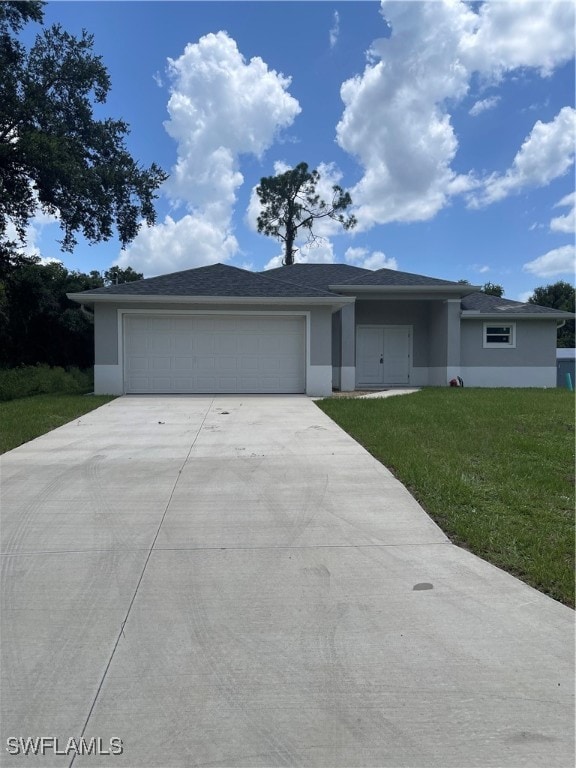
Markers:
{"x": 344, "y": 348}
{"x": 337, "y": 339}
{"x": 535, "y": 345}
{"x": 105, "y": 335}
{"x": 438, "y": 330}
{"x": 453, "y": 329}
{"x": 348, "y": 315}
{"x": 336, "y": 348}
{"x": 321, "y": 336}
{"x": 509, "y": 376}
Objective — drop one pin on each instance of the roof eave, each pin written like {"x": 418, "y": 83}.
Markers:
{"x": 117, "y": 298}
{"x": 472, "y": 314}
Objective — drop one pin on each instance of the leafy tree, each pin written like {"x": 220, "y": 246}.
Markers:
{"x": 39, "y": 323}
{"x": 560, "y": 295}
{"x": 493, "y": 289}
{"x": 290, "y": 203}
{"x": 54, "y": 154}
{"x": 116, "y": 275}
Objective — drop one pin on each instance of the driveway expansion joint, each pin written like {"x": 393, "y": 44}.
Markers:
{"x": 123, "y": 624}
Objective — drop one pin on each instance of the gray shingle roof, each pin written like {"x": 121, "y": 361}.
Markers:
{"x": 318, "y": 275}
{"x": 214, "y": 280}
{"x": 301, "y": 280}
{"x": 324, "y": 275}
{"x": 483, "y": 302}
{"x": 394, "y": 277}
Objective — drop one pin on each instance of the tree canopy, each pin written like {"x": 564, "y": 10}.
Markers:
{"x": 559, "y": 295}
{"x": 290, "y": 203}
{"x": 54, "y": 154}
{"x": 38, "y": 323}
{"x": 493, "y": 289}
{"x": 116, "y": 275}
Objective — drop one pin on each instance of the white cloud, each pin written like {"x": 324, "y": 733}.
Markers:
{"x": 335, "y": 30}
{"x": 362, "y": 257}
{"x": 396, "y": 118}
{"x": 483, "y": 105}
{"x": 393, "y": 121}
{"x": 524, "y": 296}
{"x": 566, "y": 223}
{"x": 523, "y": 33}
{"x": 546, "y": 154}
{"x": 50, "y": 260}
{"x": 28, "y": 247}
{"x": 171, "y": 246}
{"x": 221, "y": 107}
{"x": 320, "y": 252}
{"x": 275, "y": 261}
{"x": 560, "y": 261}
{"x": 32, "y": 234}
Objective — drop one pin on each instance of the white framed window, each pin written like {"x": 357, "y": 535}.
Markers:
{"x": 499, "y": 335}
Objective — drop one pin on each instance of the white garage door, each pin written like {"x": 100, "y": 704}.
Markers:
{"x": 214, "y": 353}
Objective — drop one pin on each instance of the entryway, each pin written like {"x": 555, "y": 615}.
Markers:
{"x": 383, "y": 355}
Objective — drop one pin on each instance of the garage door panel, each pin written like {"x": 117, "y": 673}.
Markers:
{"x": 137, "y": 384}
{"x": 183, "y": 344}
{"x": 158, "y": 343}
{"x": 205, "y": 384}
{"x": 195, "y": 353}
{"x": 247, "y": 344}
{"x": 204, "y": 344}
{"x": 204, "y": 364}
{"x": 249, "y": 365}
{"x": 225, "y": 344}
{"x": 225, "y": 365}
{"x": 161, "y": 363}
{"x": 183, "y": 363}
{"x": 161, "y": 384}
{"x": 270, "y": 366}
{"x": 137, "y": 364}
{"x": 160, "y": 324}
{"x": 180, "y": 324}
{"x": 136, "y": 345}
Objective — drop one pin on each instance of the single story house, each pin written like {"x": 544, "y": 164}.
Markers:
{"x": 310, "y": 328}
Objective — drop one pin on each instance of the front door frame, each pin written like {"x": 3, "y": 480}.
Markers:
{"x": 384, "y": 326}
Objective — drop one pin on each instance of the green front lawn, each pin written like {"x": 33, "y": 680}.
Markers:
{"x": 29, "y": 417}
{"x": 493, "y": 467}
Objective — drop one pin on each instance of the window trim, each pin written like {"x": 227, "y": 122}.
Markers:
{"x": 496, "y": 344}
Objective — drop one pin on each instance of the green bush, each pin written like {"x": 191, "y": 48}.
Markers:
{"x": 42, "y": 379}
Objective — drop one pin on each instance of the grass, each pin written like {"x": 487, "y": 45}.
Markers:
{"x": 27, "y": 380}
{"x": 493, "y": 467}
{"x": 29, "y": 417}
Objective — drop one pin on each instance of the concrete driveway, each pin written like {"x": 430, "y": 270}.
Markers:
{"x": 233, "y": 581}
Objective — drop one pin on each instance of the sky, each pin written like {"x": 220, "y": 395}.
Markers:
{"x": 452, "y": 124}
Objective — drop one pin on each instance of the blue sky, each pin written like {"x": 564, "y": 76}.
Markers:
{"x": 452, "y": 124}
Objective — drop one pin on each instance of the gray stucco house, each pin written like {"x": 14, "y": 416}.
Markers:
{"x": 310, "y": 328}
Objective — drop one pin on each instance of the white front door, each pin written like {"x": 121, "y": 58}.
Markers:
{"x": 383, "y": 355}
